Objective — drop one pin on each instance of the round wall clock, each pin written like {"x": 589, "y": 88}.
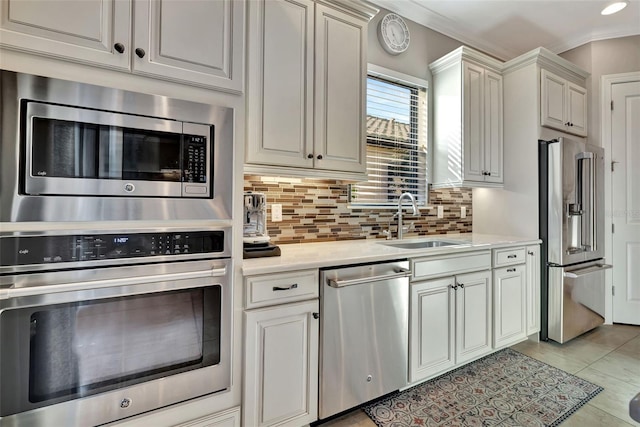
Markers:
{"x": 393, "y": 34}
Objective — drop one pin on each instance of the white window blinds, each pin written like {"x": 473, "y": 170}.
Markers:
{"x": 396, "y": 143}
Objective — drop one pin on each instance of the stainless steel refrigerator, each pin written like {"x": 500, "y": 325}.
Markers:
{"x": 571, "y": 229}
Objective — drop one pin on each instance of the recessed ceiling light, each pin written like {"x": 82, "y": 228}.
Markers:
{"x": 614, "y": 7}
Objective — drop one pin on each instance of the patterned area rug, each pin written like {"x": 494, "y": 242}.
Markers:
{"x": 506, "y": 388}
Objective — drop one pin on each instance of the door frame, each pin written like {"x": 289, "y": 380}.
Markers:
{"x": 607, "y": 82}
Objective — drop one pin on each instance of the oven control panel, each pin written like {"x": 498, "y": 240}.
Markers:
{"x": 91, "y": 247}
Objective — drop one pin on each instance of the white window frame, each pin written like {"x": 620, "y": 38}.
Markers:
{"x": 406, "y": 80}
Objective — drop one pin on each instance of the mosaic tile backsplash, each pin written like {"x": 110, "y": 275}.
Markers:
{"x": 316, "y": 210}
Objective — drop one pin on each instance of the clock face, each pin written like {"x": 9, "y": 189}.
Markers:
{"x": 393, "y": 34}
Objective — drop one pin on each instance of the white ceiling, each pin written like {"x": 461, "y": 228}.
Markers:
{"x": 508, "y": 28}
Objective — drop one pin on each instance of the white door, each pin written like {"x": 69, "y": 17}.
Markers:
{"x": 552, "y": 103}
{"x": 493, "y": 127}
{"x": 431, "y": 349}
{"x": 87, "y": 31}
{"x": 509, "y": 314}
{"x": 340, "y": 91}
{"x": 473, "y": 116}
{"x": 280, "y": 70}
{"x": 281, "y": 365}
{"x": 577, "y": 109}
{"x": 200, "y": 42}
{"x": 533, "y": 289}
{"x": 473, "y": 315}
{"x": 625, "y": 182}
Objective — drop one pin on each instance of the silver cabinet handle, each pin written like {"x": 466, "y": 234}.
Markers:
{"x": 285, "y": 288}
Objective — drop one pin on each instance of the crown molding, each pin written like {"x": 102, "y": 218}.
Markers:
{"x": 548, "y": 60}
{"x": 358, "y": 7}
{"x": 419, "y": 13}
{"x": 426, "y": 17}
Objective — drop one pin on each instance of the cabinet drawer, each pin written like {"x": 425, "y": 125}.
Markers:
{"x": 424, "y": 268}
{"x": 280, "y": 288}
{"x": 508, "y": 256}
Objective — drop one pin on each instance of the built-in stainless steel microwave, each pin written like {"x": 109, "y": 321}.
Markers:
{"x": 77, "y": 152}
{"x": 73, "y": 151}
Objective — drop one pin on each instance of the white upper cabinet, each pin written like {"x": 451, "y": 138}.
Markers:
{"x": 87, "y": 31}
{"x": 563, "y": 104}
{"x": 195, "y": 41}
{"x": 281, "y": 83}
{"x": 307, "y": 89}
{"x": 189, "y": 41}
{"x": 468, "y": 133}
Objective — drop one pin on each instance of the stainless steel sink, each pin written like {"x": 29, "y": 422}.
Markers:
{"x": 422, "y": 244}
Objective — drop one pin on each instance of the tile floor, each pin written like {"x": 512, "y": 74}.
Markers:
{"x": 608, "y": 356}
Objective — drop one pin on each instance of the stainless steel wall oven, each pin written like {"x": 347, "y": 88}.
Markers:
{"x": 115, "y": 252}
{"x": 146, "y": 325}
{"x": 78, "y": 152}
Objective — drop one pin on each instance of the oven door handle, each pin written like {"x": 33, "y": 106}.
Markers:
{"x": 98, "y": 284}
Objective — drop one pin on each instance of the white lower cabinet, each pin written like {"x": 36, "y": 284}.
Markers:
{"x": 509, "y": 305}
{"x": 281, "y": 365}
{"x": 228, "y": 418}
{"x": 533, "y": 289}
{"x": 450, "y": 323}
{"x": 473, "y": 316}
{"x": 516, "y": 301}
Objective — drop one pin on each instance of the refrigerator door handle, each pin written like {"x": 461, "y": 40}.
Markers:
{"x": 588, "y": 199}
{"x": 585, "y": 271}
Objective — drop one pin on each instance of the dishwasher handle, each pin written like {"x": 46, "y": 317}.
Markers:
{"x": 399, "y": 273}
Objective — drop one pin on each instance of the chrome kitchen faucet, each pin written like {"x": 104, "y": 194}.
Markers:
{"x": 413, "y": 206}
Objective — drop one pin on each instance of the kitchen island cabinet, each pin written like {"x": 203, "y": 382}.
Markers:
{"x": 307, "y": 88}
{"x": 194, "y": 42}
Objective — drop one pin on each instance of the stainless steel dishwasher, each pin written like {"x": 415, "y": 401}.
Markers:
{"x": 364, "y": 333}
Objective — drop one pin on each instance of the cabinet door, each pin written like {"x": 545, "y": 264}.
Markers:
{"x": 473, "y": 316}
{"x": 493, "y": 127}
{"x": 577, "y": 109}
{"x": 79, "y": 30}
{"x": 193, "y": 41}
{"x": 509, "y": 314}
{"x": 280, "y": 125}
{"x": 533, "y": 289}
{"x": 340, "y": 91}
{"x": 431, "y": 328}
{"x": 473, "y": 122}
{"x": 553, "y": 109}
{"x": 281, "y": 365}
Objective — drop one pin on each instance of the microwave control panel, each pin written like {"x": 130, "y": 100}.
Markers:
{"x": 195, "y": 159}
{"x": 29, "y": 250}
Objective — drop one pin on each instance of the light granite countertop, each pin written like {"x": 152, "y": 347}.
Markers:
{"x": 300, "y": 256}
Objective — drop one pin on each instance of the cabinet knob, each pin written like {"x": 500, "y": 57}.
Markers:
{"x": 570, "y": 124}
{"x": 530, "y": 253}
{"x": 319, "y": 157}
{"x": 140, "y": 52}
{"x": 454, "y": 287}
{"x": 119, "y": 47}
{"x": 315, "y": 315}
{"x": 461, "y": 285}
{"x": 309, "y": 156}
